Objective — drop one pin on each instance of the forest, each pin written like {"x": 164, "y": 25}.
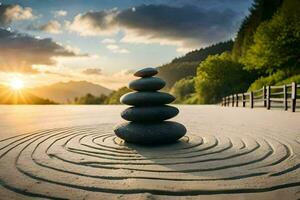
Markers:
{"x": 265, "y": 52}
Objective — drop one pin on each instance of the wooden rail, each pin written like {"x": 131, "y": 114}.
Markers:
{"x": 269, "y": 96}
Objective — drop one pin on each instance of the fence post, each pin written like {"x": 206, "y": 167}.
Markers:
{"x": 244, "y": 100}
{"x": 227, "y": 101}
{"x": 264, "y": 96}
{"x": 268, "y": 97}
{"x": 293, "y": 96}
{"x": 237, "y": 100}
{"x": 285, "y": 103}
{"x": 232, "y": 103}
{"x": 251, "y": 100}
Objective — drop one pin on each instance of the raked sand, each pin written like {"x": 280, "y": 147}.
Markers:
{"x": 71, "y": 152}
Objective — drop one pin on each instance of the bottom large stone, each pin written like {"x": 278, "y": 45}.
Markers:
{"x": 150, "y": 133}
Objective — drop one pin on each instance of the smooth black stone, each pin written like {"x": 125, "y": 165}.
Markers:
{"x": 150, "y": 133}
{"x": 149, "y": 114}
{"x": 147, "y": 84}
{"x": 146, "y": 72}
{"x": 146, "y": 98}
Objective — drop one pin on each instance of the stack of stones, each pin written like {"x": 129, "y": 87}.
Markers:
{"x": 148, "y": 112}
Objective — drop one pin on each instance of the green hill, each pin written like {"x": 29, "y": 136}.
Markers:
{"x": 187, "y": 65}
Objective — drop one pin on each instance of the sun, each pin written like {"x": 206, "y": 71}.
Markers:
{"x": 16, "y": 84}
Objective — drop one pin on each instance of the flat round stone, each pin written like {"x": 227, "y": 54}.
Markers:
{"x": 146, "y": 72}
{"x": 150, "y": 133}
{"x": 149, "y": 114}
{"x": 146, "y": 98}
{"x": 147, "y": 84}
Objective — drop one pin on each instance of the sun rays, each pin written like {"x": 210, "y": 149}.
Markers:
{"x": 15, "y": 93}
{"x": 16, "y": 84}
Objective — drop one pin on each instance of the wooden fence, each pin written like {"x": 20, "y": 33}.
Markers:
{"x": 284, "y": 96}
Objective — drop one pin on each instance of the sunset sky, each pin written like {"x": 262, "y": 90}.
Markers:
{"x": 103, "y": 41}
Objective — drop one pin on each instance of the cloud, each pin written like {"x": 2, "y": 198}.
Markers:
{"x": 52, "y": 26}
{"x": 126, "y": 72}
{"x": 20, "y": 52}
{"x": 58, "y": 74}
{"x": 60, "y": 13}
{"x": 185, "y": 26}
{"x": 111, "y": 44}
{"x": 116, "y": 48}
{"x": 109, "y": 41}
{"x": 10, "y": 13}
{"x": 94, "y": 23}
{"x": 92, "y": 71}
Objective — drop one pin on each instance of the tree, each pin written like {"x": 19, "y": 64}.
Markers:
{"x": 219, "y": 76}
{"x": 269, "y": 80}
{"x": 183, "y": 89}
{"x": 261, "y": 10}
{"x": 276, "y": 42}
{"x": 114, "y": 97}
{"x": 90, "y": 99}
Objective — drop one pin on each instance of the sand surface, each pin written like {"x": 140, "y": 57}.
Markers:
{"x": 70, "y": 152}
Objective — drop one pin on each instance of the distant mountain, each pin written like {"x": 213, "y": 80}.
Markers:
{"x": 64, "y": 92}
{"x": 9, "y": 96}
{"x": 187, "y": 65}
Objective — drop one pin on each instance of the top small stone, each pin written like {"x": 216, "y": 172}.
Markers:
{"x": 146, "y": 72}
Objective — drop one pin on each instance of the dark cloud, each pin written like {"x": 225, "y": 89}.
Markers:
{"x": 238, "y": 5}
{"x": 187, "y": 25}
{"x": 92, "y": 71}
{"x": 3, "y": 19}
{"x": 186, "y": 22}
{"x": 46, "y": 5}
{"x": 19, "y": 52}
